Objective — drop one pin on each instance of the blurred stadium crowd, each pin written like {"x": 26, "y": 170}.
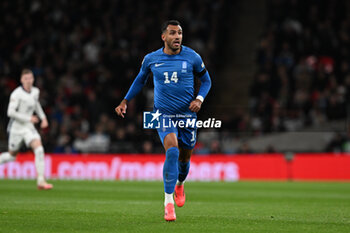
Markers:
{"x": 85, "y": 56}
{"x": 303, "y": 60}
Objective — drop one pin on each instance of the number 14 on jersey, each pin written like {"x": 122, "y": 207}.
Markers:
{"x": 173, "y": 77}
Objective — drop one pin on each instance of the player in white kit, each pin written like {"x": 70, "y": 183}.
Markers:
{"x": 24, "y": 101}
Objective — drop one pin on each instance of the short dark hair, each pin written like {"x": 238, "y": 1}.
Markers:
{"x": 169, "y": 22}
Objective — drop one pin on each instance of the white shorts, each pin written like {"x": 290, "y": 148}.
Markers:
{"x": 27, "y": 136}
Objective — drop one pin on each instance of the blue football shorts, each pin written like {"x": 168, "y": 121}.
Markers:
{"x": 187, "y": 135}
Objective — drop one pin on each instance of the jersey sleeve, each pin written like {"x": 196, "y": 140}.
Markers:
{"x": 198, "y": 64}
{"x": 12, "y": 109}
{"x": 140, "y": 79}
{"x": 145, "y": 65}
{"x": 38, "y": 109}
{"x": 199, "y": 70}
{"x": 205, "y": 86}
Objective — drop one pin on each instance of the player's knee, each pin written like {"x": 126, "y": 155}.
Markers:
{"x": 170, "y": 141}
{"x": 170, "y": 145}
{"x": 36, "y": 143}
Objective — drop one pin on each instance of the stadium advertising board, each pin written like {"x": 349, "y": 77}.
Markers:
{"x": 203, "y": 168}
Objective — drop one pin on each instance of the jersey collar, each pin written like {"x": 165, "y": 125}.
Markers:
{"x": 181, "y": 49}
{"x": 26, "y": 90}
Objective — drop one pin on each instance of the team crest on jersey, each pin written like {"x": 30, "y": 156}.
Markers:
{"x": 184, "y": 67}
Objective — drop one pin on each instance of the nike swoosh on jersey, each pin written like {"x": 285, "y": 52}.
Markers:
{"x": 158, "y": 64}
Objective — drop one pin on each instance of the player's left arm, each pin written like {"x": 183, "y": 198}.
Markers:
{"x": 203, "y": 74}
{"x": 40, "y": 112}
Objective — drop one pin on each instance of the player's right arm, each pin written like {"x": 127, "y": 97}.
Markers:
{"x": 136, "y": 86}
{"x": 12, "y": 109}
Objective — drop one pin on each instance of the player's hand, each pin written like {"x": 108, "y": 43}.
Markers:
{"x": 121, "y": 109}
{"x": 44, "y": 124}
{"x": 34, "y": 119}
{"x": 195, "y": 105}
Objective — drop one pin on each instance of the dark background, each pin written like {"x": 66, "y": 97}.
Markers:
{"x": 277, "y": 67}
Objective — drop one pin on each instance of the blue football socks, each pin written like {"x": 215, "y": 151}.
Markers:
{"x": 170, "y": 169}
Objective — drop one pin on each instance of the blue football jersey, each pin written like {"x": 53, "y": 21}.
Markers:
{"x": 173, "y": 77}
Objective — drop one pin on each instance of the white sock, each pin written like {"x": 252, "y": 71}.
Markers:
{"x": 6, "y": 157}
{"x": 180, "y": 182}
{"x": 168, "y": 198}
{"x": 40, "y": 163}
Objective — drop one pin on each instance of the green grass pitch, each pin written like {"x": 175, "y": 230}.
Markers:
{"x": 111, "y": 206}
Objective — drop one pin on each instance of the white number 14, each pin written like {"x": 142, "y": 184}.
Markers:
{"x": 173, "y": 77}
